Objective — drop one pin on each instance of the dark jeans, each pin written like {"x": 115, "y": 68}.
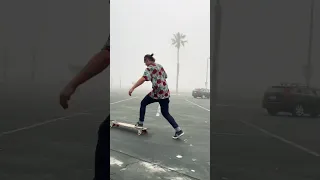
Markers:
{"x": 164, "y": 104}
{"x": 102, "y": 155}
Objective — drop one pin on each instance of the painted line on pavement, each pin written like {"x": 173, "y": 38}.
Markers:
{"x": 197, "y": 105}
{"x": 123, "y": 100}
{"x": 227, "y": 134}
{"x": 54, "y": 120}
{"x": 281, "y": 139}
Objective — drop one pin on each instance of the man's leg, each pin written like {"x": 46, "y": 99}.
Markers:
{"x": 143, "y": 105}
{"x": 102, "y": 155}
{"x": 164, "y": 103}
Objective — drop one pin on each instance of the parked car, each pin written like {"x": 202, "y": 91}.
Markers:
{"x": 201, "y": 92}
{"x": 292, "y": 98}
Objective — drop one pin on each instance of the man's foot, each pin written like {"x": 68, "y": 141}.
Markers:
{"x": 138, "y": 125}
{"x": 178, "y": 134}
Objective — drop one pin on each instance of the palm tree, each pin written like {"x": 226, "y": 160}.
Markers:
{"x": 178, "y": 40}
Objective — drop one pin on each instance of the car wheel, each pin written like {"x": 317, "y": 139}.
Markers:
{"x": 272, "y": 112}
{"x": 298, "y": 110}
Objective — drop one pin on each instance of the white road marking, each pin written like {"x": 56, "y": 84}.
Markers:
{"x": 281, "y": 139}
{"x": 54, "y": 120}
{"x": 39, "y": 124}
{"x": 197, "y": 105}
{"x": 227, "y": 134}
{"x": 158, "y": 111}
{"x": 123, "y": 100}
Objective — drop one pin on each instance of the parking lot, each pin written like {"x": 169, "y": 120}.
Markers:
{"x": 40, "y": 141}
{"x": 156, "y": 155}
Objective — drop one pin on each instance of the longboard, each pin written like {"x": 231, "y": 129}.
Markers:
{"x": 141, "y": 130}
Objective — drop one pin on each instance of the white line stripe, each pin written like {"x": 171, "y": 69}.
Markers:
{"x": 54, "y": 120}
{"x": 123, "y": 100}
{"x": 227, "y": 134}
{"x": 282, "y": 139}
{"x": 158, "y": 111}
{"x": 39, "y": 124}
{"x": 197, "y": 105}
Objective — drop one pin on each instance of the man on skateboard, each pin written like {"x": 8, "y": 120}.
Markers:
{"x": 160, "y": 93}
{"x": 96, "y": 65}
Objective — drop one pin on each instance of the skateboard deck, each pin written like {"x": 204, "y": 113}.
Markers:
{"x": 141, "y": 130}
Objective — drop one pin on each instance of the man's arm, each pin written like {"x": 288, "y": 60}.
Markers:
{"x": 138, "y": 83}
{"x": 146, "y": 77}
{"x": 96, "y": 65}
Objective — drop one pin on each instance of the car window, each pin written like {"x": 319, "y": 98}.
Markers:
{"x": 297, "y": 90}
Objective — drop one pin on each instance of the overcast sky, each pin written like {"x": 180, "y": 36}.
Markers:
{"x": 146, "y": 26}
{"x": 266, "y": 42}
{"x": 262, "y": 42}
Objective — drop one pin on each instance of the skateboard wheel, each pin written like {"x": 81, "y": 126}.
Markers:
{"x": 144, "y": 131}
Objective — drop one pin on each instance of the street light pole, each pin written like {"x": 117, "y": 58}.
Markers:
{"x": 206, "y": 83}
{"x": 309, "y": 65}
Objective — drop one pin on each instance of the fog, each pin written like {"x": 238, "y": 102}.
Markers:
{"x": 60, "y": 32}
{"x": 262, "y": 42}
{"x": 144, "y": 27}
{"x": 266, "y": 42}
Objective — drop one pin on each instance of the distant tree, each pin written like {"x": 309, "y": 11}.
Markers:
{"x": 178, "y": 41}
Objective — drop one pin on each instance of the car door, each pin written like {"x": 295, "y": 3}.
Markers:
{"x": 309, "y": 99}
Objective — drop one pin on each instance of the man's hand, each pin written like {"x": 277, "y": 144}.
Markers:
{"x": 65, "y": 96}
{"x": 130, "y": 91}
{"x": 137, "y": 84}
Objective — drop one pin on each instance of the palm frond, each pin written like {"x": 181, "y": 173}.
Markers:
{"x": 173, "y": 41}
{"x": 175, "y": 36}
{"x": 178, "y": 40}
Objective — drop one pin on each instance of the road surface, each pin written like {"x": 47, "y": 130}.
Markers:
{"x": 40, "y": 141}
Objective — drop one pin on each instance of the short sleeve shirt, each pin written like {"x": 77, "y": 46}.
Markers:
{"x": 157, "y": 75}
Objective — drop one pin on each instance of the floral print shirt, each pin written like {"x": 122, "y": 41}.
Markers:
{"x": 157, "y": 75}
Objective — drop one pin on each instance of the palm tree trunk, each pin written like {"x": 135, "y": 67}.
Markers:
{"x": 177, "y": 81}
